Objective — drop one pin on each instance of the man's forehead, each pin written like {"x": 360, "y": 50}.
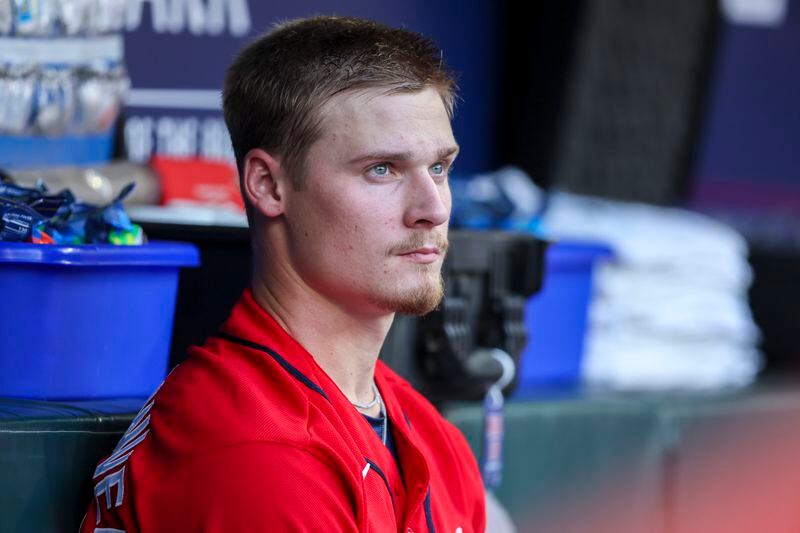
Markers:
{"x": 407, "y": 125}
{"x": 383, "y": 104}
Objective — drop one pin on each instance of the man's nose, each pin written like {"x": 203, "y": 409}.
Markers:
{"x": 428, "y": 201}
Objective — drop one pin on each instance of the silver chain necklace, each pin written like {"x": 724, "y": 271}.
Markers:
{"x": 373, "y": 403}
{"x": 377, "y": 399}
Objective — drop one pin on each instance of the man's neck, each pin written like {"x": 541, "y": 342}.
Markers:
{"x": 343, "y": 344}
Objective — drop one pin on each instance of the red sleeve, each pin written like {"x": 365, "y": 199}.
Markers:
{"x": 251, "y": 487}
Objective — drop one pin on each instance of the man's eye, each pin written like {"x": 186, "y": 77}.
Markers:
{"x": 438, "y": 169}
{"x": 380, "y": 170}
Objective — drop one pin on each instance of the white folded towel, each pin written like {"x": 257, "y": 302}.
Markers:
{"x": 671, "y": 310}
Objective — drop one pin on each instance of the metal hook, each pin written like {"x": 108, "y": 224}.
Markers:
{"x": 508, "y": 366}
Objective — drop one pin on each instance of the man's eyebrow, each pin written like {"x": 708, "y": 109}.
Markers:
{"x": 401, "y": 156}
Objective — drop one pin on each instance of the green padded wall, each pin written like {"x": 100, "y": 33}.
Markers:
{"x": 48, "y": 452}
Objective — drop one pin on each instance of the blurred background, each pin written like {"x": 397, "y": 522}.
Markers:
{"x": 632, "y": 164}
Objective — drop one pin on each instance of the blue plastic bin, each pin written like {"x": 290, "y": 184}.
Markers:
{"x": 29, "y": 151}
{"x": 83, "y": 322}
{"x": 555, "y": 318}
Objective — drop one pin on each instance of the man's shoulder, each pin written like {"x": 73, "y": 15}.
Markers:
{"x": 222, "y": 385}
{"x": 222, "y": 420}
{"x": 216, "y": 399}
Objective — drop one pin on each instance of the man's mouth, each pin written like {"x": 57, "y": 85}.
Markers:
{"x": 423, "y": 254}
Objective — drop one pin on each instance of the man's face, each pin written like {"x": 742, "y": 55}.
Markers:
{"x": 369, "y": 229}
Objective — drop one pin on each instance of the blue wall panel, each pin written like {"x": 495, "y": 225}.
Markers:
{"x": 185, "y": 44}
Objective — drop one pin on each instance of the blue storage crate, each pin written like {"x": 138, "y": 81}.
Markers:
{"x": 556, "y": 317}
{"x": 92, "y": 321}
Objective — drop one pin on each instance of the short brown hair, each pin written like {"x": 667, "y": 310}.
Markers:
{"x": 277, "y": 85}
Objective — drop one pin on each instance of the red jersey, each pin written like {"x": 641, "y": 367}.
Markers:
{"x": 250, "y": 434}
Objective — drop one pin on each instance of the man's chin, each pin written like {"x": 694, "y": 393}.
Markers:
{"x": 418, "y": 307}
{"x": 418, "y": 301}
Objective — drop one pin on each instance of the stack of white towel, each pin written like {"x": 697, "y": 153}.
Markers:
{"x": 671, "y": 311}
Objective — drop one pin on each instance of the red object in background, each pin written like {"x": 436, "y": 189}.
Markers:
{"x": 197, "y": 181}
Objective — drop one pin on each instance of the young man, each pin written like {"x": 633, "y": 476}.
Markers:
{"x": 285, "y": 420}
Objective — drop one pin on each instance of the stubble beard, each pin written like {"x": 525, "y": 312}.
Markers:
{"x": 428, "y": 292}
{"x": 421, "y": 299}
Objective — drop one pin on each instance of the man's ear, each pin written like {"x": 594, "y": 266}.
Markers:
{"x": 263, "y": 182}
